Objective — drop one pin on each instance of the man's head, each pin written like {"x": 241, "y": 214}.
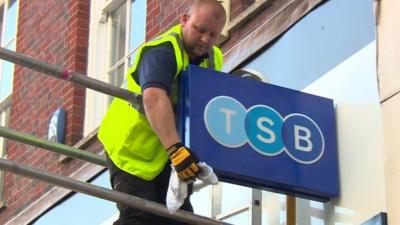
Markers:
{"x": 201, "y": 26}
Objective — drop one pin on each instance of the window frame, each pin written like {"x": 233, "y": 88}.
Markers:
{"x": 100, "y": 65}
{"x": 125, "y": 60}
{"x": 4, "y": 4}
{"x": 5, "y": 107}
{"x": 5, "y": 102}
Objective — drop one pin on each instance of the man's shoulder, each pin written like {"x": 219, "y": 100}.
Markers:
{"x": 159, "y": 51}
{"x": 163, "y": 47}
{"x": 162, "y": 54}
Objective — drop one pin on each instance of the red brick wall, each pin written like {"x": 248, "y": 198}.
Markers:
{"x": 162, "y": 14}
{"x": 238, "y": 6}
{"x": 55, "y": 31}
{"x": 251, "y": 24}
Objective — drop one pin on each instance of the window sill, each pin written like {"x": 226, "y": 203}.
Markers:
{"x": 82, "y": 144}
{"x": 3, "y": 205}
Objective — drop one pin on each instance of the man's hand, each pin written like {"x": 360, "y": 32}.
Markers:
{"x": 184, "y": 161}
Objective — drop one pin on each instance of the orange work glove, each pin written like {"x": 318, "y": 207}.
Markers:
{"x": 184, "y": 161}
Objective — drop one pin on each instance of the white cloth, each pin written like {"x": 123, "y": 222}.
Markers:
{"x": 178, "y": 189}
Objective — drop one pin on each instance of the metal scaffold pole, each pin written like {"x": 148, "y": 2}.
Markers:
{"x": 74, "y": 77}
{"x": 52, "y": 146}
{"x": 69, "y": 183}
{"x": 107, "y": 194}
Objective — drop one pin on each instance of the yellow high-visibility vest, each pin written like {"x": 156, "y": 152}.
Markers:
{"x": 125, "y": 132}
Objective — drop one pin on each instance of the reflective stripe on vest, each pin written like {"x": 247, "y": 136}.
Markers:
{"x": 126, "y": 134}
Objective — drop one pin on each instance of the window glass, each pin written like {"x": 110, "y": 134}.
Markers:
{"x": 242, "y": 196}
{"x": 273, "y": 208}
{"x": 1, "y": 20}
{"x": 138, "y": 24}
{"x": 317, "y": 43}
{"x": 117, "y": 79}
{"x": 201, "y": 201}
{"x": 3, "y": 118}
{"x": 11, "y": 28}
{"x": 8, "y": 30}
{"x": 241, "y": 218}
{"x": 4, "y": 115}
{"x": 117, "y": 76}
{"x": 6, "y": 79}
{"x": 11, "y": 45}
{"x": 111, "y": 49}
{"x": 81, "y": 208}
{"x": 118, "y": 32}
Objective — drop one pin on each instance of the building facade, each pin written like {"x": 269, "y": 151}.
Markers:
{"x": 345, "y": 50}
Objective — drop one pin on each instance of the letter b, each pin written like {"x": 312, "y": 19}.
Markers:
{"x": 303, "y": 138}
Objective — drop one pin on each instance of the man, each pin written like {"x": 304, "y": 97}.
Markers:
{"x": 139, "y": 145}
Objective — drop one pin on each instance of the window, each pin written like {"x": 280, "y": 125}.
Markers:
{"x": 302, "y": 55}
{"x": 8, "y": 30}
{"x": 240, "y": 12}
{"x": 4, "y": 115}
{"x": 128, "y": 30}
{"x": 82, "y": 206}
{"x": 331, "y": 52}
{"x": 114, "y": 39}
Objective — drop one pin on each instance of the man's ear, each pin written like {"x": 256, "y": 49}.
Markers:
{"x": 184, "y": 19}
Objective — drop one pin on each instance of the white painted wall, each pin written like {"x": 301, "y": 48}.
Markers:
{"x": 353, "y": 86}
{"x": 96, "y": 103}
{"x": 389, "y": 86}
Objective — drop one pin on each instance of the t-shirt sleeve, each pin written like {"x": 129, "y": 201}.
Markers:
{"x": 157, "y": 68}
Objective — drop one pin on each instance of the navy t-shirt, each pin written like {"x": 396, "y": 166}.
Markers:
{"x": 157, "y": 67}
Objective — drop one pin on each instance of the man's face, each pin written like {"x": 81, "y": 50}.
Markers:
{"x": 200, "y": 30}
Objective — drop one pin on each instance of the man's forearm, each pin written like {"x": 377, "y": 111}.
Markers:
{"x": 160, "y": 115}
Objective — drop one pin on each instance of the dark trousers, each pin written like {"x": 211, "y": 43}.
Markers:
{"x": 154, "y": 190}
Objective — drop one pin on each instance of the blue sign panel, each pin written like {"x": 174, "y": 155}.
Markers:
{"x": 261, "y": 135}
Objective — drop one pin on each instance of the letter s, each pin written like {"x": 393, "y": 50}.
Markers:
{"x": 272, "y": 136}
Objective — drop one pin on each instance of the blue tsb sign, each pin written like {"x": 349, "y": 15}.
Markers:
{"x": 231, "y": 125}
{"x": 261, "y": 135}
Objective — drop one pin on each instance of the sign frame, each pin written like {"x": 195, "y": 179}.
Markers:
{"x": 315, "y": 178}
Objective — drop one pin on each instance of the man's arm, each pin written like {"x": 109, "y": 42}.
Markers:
{"x": 156, "y": 75}
{"x": 160, "y": 115}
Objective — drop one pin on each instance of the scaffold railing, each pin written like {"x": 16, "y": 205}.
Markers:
{"x": 107, "y": 194}
{"x": 71, "y": 76}
{"x": 52, "y": 146}
{"x": 69, "y": 183}
{"x": 87, "y": 188}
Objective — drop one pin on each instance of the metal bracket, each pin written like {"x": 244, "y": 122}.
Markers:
{"x": 103, "y": 17}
